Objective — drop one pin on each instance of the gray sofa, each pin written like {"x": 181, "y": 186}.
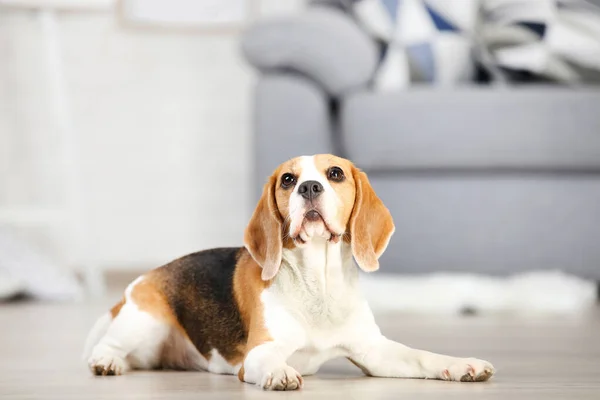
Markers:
{"x": 483, "y": 179}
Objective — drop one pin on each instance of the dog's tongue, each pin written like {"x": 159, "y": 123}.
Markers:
{"x": 312, "y": 215}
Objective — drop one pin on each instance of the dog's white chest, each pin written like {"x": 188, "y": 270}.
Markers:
{"x": 318, "y": 302}
{"x": 314, "y": 303}
{"x": 313, "y": 315}
{"x": 318, "y": 317}
{"x": 320, "y": 329}
{"x": 317, "y": 328}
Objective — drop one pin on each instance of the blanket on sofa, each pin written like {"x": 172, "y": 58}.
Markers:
{"x": 452, "y": 42}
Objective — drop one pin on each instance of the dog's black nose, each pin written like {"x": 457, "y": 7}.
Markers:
{"x": 310, "y": 189}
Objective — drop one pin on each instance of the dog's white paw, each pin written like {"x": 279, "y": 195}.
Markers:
{"x": 468, "y": 370}
{"x": 107, "y": 365}
{"x": 283, "y": 378}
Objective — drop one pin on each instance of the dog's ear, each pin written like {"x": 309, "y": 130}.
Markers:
{"x": 371, "y": 224}
{"x": 262, "y": 237}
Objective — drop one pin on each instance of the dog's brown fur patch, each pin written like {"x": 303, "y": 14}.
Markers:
{"x": 195, "y": 295}
{"x": 371, "y": 224}
{"x": 247, "y": 287}
{"x": 148, "y": 296}
{"x": 114, "y": 311}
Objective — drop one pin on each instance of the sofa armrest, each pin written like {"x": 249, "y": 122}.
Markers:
{"x": 323, "y": 44}
{"x": 291, "y": 117}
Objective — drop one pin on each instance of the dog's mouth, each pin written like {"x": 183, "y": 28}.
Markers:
{"x": 314, "y": 216}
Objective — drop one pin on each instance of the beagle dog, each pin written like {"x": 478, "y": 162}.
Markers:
{"x": 282, "y": 305}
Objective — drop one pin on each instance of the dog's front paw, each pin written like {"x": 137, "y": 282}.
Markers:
{"x": 107, "y": 365}
{"x": 468, "y": 370}
{"x": 283, "y": 378}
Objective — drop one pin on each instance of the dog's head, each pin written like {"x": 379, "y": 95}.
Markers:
{"x": 320, "y": 196}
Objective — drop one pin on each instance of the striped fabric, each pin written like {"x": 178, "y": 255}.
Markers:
{"x": 548, "y": 40}
{"x": 431, "y": 41}
{"x": 424, "y": 40}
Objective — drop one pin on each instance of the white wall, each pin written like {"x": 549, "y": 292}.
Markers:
{"x": 163, "y": 121}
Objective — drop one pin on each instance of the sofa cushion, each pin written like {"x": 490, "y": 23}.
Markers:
{"x": 491, "y": 226}
{"x": 544, "y": 128}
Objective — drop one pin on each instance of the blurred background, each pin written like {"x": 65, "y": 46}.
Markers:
{"x": 125, "y": 137}
{"x": 133, "y": 132}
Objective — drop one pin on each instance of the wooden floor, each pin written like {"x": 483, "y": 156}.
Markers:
{"x": 40, "y": 348}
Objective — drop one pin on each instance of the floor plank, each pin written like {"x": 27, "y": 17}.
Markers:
{"x": 536, "y": 358}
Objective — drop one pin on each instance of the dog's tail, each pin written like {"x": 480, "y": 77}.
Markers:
{"x": 98, "y": 331}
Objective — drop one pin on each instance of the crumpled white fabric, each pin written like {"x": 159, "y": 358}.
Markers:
{"x": 535, "y": 292}
{"x": 24, "y": 270}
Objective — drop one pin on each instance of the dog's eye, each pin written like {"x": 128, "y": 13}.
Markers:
{"x": 335, "y": 174}
{"x": 287, "y": 181}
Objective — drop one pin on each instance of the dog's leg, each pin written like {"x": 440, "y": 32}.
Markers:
{"x": 134, "y": 339}
{"x": 382, "y": 357}
{"x": 266, "y": 365}
{"x": 378, "y": 356}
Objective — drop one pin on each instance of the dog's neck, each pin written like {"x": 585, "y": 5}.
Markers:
{"x": 320, "y": 267}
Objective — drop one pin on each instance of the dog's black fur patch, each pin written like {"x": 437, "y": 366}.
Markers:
{"x": 199, "y": 289}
